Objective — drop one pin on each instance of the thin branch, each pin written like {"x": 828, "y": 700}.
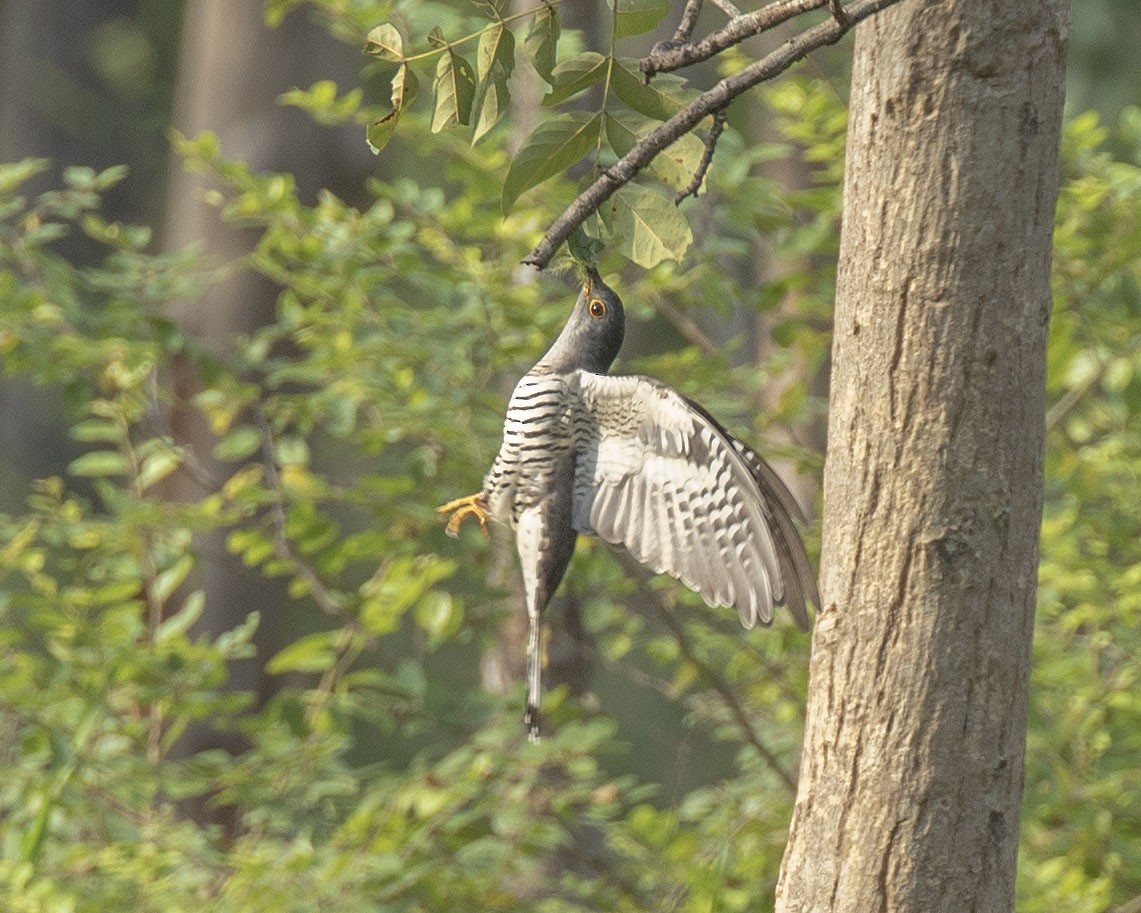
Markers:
{"x": 699, "y": 172}
{"x": 687, "y": 328}
{"x": 723, "y": 688}
{"x": 839, "y": 14}
{"x": 688, "y": 21}
{"x": 728, "y": 8}
{"x": 1072, "y": 397}
{"x": 668, "y": 56}
{"x": 1056, "y": 413}
{"x": 499, "y": 22}
{"x": 643, "y": 152}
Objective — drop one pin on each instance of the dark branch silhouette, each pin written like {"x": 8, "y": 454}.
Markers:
{"x": 676, "y": 54}
{"x": 707, "y": 156}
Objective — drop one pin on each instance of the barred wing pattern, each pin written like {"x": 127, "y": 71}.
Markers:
{"x": 658, "y": 475}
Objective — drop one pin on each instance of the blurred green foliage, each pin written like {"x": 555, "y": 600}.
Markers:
{"x": 1081, "y": 845}
{"x": 380, "y": 775}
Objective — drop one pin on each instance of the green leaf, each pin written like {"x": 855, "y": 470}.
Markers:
{"x": 646, "y": 226}
{"x": 661, "y": 100}
{"x": 109, "y": 177}
{"x": 438, "y": 615}
{"x": 490, "y": 102}
{"x": 321, "y": 101}
{"x": 454, "y": 90}
{"x": 385, "y": 42}
{"x": 13, "y": 174}
{"x": 312, "y": 653}
{"x": 541, "y": 41}
{"x": 238, "y": 444}
{"x": 170, "y": 579}
{"x": 583, "y": 247}
{"x": 674, "y": 165}
{"x": 397, "y": 587}
{"x": 633, "y": 17}
{"x": 404, "y": 89}
{"x": 574, "y": 75}
{"x": 99, "y": 463}
{"x": 291, "y": 450}
{"x": 496, "y": 46}
{"x": 494, "y": 62}
{"x": 96, "y": 430}
{"x": 157, "y": 466}
{"x": 555, "y": 144}
{"x": 182, "y": 620}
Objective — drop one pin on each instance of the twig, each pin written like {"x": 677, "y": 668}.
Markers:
{"x": 839, "y": 14}
{"x": 1072, "y": 397}
{"x": 688, "y": 21}
{"x": 728, "y": 8}
{"x": 687, "y": 118}
{"x": 687, "y": 327}
{"x": 722, "y": 688}
{"x": 699, "y": 172}
{"x": 668, "y": 56}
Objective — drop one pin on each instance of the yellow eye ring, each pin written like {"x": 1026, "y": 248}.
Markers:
{"x": 596, "y": 308}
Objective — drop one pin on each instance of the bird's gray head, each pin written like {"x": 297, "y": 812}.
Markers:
{"x": 593, "y": 335}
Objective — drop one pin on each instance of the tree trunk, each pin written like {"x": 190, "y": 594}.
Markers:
{"x": 911, "y": 780}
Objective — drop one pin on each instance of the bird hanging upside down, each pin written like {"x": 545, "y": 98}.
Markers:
{"x": 634, "y": 462}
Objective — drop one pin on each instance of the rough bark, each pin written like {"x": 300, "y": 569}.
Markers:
{"x": 911, "y": 778}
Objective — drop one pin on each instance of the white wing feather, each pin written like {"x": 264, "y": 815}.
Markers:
{"x": 657, "y": 475}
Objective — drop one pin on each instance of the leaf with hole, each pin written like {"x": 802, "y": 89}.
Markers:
{"x": 674, "y": 165}
{"x": 574, "y": 75}
{"x": 455, "y": 90}
{"x": 541, "y": 41}
{"x": 556, "y": 144}
{"x": 385, "y": 42}
{"x": 404, "y": 89}
{"x": 646, "y": 226}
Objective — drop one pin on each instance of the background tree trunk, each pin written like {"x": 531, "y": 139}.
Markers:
{"x": 227, "y": 44}
{"x": 912, "y": 774}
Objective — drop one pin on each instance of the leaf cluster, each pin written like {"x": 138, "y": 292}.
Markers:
{"x": 641, "y": 220}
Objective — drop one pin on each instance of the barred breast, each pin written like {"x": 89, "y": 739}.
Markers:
{"x": 536, "y": 436}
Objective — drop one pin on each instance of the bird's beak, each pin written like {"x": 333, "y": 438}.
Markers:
{"x": 591, "y": 278}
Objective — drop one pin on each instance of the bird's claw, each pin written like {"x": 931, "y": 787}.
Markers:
{"x": 460, "y": 509}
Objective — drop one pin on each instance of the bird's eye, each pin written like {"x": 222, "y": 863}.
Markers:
{"x": 596, "y": 308}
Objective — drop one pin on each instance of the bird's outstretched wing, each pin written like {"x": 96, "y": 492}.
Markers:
{"x": 657, "y": 474}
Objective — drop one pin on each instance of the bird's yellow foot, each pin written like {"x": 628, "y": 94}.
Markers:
{"x": 460, "y": 509}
